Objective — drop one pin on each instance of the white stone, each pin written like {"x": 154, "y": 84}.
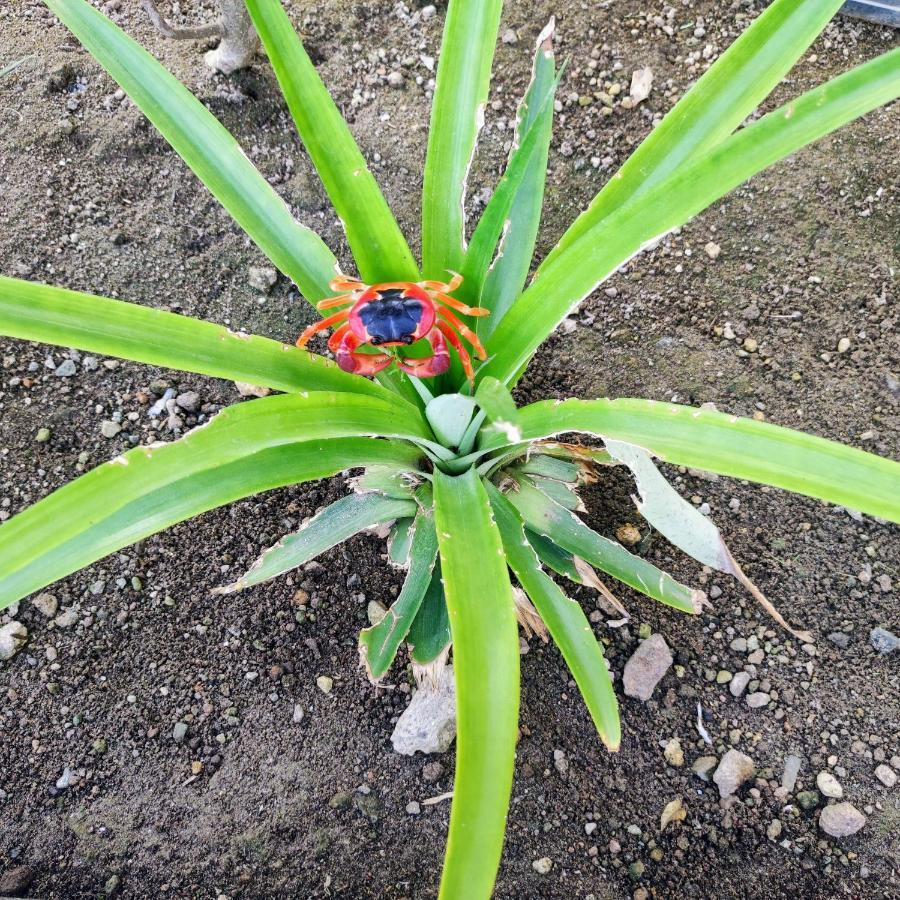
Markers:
{"x": 829, "y": 785}
{"x": 13, "y": 636}
{"x": 428, "y": 724}
{"x": 734, "y": 769}
{"x": 841, "y": 820}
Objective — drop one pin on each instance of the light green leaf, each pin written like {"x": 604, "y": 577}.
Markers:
{"x": 206, "y": 146}
{"x": 486, "y": 668}
{"x": 380, "y": 250}
{"x": 549, "y": 467}
{"x": 565, "y": 620}
{"x": 335, "y": 524}
{"x": 729, "y": 91}
{"x": 39, "y": 312}
{"x": 449, "y": 416}
{"x": 457, "y": 114}
{"x": 566, "y": 530}
{"x": 728, "y": 445}
{"x": 400, "y": 542}
{"x": 506, "y": 276}
{"x": 558, "y": 492}
{"x": 574, "y": 273}
{"x": 151, "y": 488}
{"x": 389, "y": 480}
{"x": 378, "y": 645}
{"x": 499, "y": 407}
{"x": 429, "y": 635}
{"x": 521, "y": 188}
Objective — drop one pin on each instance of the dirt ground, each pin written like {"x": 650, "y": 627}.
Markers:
{"x": 99, "y": 798}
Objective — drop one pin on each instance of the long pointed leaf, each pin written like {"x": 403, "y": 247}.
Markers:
{"x": 148, "y": 490}
{"x": 52, "y": 315}
{"x": 207, "y": 148}
{"x": 457, "y": 113}
{"x": 506, "y": 277}
{"x": 565, "y": 620}
{"x": 565, "y": 529}
{"x": 378, "y": 645}
{"x": 380, "y": 250}
{"x": 730, "y": 89}
{"x": 429, "y": 635}
{"x": 513, "y": 212}
{"x": 486, "y": 667}
{"x": 588, "y": 261}
{"x": 728, "y": 445}
{"x": 334, "y": 525}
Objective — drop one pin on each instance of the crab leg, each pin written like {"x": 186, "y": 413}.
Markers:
{"x": 335, "y": 340}
{"x": 448, "y": 287}
{"x": 343, "y": 283}
{"x": 436, "y": 364}
{"x": 359, "y": 363}
{"x": 461, "y": 307}
{"x": 457, "y": 345}
{"x": 321, "y": 326}
{"x": 331, "y": 302}
{"x": 465, "y": 331}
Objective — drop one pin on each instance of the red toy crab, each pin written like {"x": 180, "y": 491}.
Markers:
{"x": 395, "y": 314}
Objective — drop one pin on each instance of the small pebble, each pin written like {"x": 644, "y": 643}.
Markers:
{"x": 829, "y": 785}
{"x": 886, "y": 775}
{"x": 325, "y": 684}
{"x": 543, "y": 865}
{"x": 883, "y": 641}
{"x": 841, "y": 820}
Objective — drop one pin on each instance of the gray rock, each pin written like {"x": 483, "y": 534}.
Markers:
{"x": 734, "y": 769}
{"x": 841, "y": 820}
{"x": 66, "y": 369}
{"x": 739, "y": 683}
{"x": 839, "y": 639}
{"x": 646, "y": 667}
{"x": 46, "y": 605}
{"x": 65, "y": 780}
{"x": 886, "y": 775}
{"x": 829, "y": 785}
{"x": 67, "y": 617}
{"x": 189, "y": 401}
{"x": 16, "y": 881}
{"x": 13, "y": 637}
{"x": 773, "y": 832}
{"x": 543, "y": 865}
{"x": 262, "y": 278}
{"x": 109, "y": 429}
{"x": 413, "y": 808}
{"x": 179, "y": 732}
{"x": 792, "y": 766}
{"x": 758, "y": 700}
{"x": 883, "y": 640}
{"x": 428, "y": 724}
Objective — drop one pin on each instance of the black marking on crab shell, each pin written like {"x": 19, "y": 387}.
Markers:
{"x": 391, "y": 317}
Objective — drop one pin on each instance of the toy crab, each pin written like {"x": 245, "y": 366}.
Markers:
{"x": 396, "y": 314}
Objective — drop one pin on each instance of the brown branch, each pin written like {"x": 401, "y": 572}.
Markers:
{"x": 180, "y": 34}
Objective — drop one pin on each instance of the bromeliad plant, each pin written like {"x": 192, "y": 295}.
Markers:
{"x": 472, "y": 487}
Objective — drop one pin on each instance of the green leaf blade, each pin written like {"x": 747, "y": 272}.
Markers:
{"x": 335, "y": 524}
{"x": 728, "y": 445}
{"x": 577, "y": 271}
{"x": 566, "y": 530}
{"x": 379, "y": 247}
{"x": 730, "y": 89}
{"x": 486, "y": 668}
{"x": 206, "y": 147}
{"x": 463, "y": 79}
{"x": 504, "y": 279}
{"x": 114, "y": 505}
{"x": 378, "y": 645}
{"x": 39, "y": 312}
{"x": 565, "y": 620}
{"x": 80, "y": 523}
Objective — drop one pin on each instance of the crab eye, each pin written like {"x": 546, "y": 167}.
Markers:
{"x": 376, "y": 339}
{"x": 407, "y": 338}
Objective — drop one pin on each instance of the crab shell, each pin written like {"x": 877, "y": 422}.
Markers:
{"x": 392, "y": 317}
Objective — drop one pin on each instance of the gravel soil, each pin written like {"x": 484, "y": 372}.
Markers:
{"x": 149, "y": 734}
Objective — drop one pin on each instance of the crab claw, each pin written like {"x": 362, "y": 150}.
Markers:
{"x": 359, "y": 363}
{"x": 429, "y": 366}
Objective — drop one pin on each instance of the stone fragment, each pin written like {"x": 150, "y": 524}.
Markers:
{"x": 841, "y": 820}
{"x": 734, "y": 769}
{"x": 648, "y": 664}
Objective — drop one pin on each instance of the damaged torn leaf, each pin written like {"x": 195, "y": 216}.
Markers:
{"x": 528, "y": 617}
{"x": 400, "y": 540}
{"x": 684, "y": 525}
